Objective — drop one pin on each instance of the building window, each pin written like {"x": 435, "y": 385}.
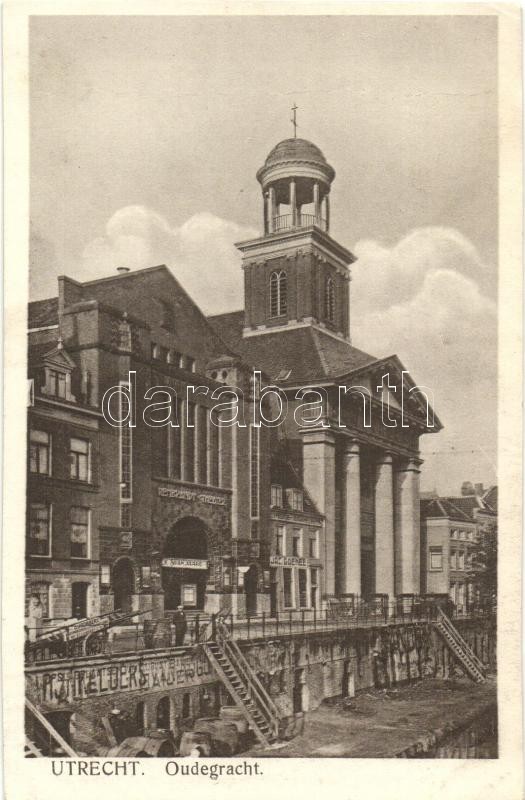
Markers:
{"x": 453, "y": 559}
{"x": 40, "y": 452}
{"x": 154, "y": 350}
{"x": 189, "y": 444}
{"x": 436, "y": 559}
{"x": 79, "y": 457}
{"x": 126, "y": 448}
{"x": 278, "y": 294}
{"x": 37, "y": 600}
{"x": 56, "y": 383}
{"x": 461, "y": 557}
{"x": 124, "y": 335}
{"x": 79, "y": 532}
{"x": 330, "y": 300}
{"x": 303, "y": 593}
{"x": 39, "y": 530}
{"x": 105, "y": 574}
{"x": 254, "y": 471}
{"x": 190, "y": 364}
{"x": 296, "y": 543}
{"x": 201, "y": 449}
{"x": 454, "y": 534}
{"x": 312, "y": 546}
{"x": 277, "y": 496}
{"x": 125, "y": 515}
{"x": 295, "y": 499}
{"x": 167, "y": 315}
{"x": 279, "y": 540}
{"x": 287, "y": 587}
{"x": 314, "y": 584}
{"x": 145, "y": 574}
{"x": 164, "y": 355}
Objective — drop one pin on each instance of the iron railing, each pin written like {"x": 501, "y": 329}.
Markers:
{"x": 338, "y": 616}
{"x": 285, "y": 222}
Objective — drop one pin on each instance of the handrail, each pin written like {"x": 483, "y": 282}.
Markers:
{"x": 253, "y": 676}
{"x": 249, "y": 674}
{"x": 50, "y": 729}
{"x": 442, "y": 617}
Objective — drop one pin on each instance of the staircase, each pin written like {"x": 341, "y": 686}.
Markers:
{"x": 458, "y": 646}
{"x": 243, "y": 685}
{"x": 42, "y": 740}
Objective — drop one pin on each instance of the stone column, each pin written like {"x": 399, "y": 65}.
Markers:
{"x": 265, "y": 212}
{"x": 384, "y": 519}
{"x": 352, "y": 534}
{"x": 293, "y": 202}
{"x": 327, "y": 212}
{"x": 271, "y": 200}
{"x": 406, "y": 528}
{"x": 317, "y": 205}
{"x": 319, "y": 481}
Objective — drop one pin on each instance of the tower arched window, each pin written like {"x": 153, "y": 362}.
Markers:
{"x": 278, "y": 294}
{"x": 330, "y": 300}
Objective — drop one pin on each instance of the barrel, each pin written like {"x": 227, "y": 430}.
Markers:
{"x": 224, "y": 735}
{"x": 192, "y": 739}
{"x": 234, "y": 715}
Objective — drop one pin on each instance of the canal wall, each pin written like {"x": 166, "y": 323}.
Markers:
{"x": 172, "y": 688}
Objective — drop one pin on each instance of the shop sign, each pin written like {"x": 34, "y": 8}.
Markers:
{"x": 287, "y": 561}
{"x": 192, "y": 494}
{"x": 51, "y": 688}
{"x": 185, "y": 563}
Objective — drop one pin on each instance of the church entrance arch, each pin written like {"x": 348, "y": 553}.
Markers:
{"x": 185, "y": 565}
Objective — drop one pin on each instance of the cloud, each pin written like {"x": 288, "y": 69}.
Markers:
{"x": 200, "y": 253}
{"x": 423, "y": 299}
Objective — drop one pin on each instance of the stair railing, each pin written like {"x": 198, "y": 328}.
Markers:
{"x": 453, "y": 631}
{"x": 52, "y": 732}
{"x": 255, "y": 688}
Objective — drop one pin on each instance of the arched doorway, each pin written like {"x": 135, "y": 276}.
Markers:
{"x": 123, "y": 584}
{"x": 250, "y": 589}
{"x": 185, "y": 565}
{"x": 163, "y": 714}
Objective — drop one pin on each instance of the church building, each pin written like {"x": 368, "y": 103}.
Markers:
{"x": 253, "y": 518}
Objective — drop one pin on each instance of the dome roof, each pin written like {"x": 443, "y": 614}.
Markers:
{"x": 294, "y": 149}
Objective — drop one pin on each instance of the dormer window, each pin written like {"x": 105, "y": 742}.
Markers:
{"x": 277, "y": 496}
{"x": 56, "y": 383}
{"x": 58, "y": 367}
{"x": 294, "y": 498}
{"x": 278, "y": 294}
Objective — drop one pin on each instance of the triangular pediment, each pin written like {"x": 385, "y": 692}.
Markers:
{"x": 58, "y": 358}
{"x": 415, "y": 399}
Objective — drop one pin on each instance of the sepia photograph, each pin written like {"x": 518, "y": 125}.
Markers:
{"x": 261, "y": 431}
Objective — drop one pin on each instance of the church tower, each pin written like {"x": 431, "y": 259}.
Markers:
{"x": 295, "y": 274}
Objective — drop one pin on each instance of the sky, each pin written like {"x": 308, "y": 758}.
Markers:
{"x": 147, "y": 132}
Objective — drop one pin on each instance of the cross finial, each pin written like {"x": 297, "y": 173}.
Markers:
{"x": 294, "y": 120}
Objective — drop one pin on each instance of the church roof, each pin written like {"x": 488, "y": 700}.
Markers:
{"x": 295, "y": 149}
{"x": 43, "y": 313}
{"x": 302, "y": 354}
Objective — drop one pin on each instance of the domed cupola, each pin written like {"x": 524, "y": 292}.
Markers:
{"x": 295, "y": 180}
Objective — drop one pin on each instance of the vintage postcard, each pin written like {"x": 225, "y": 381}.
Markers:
{"x": 262, "y": 520}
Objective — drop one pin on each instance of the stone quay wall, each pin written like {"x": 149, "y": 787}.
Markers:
{"x": 299, "y": 671}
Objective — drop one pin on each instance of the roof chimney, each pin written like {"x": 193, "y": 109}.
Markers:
{"x": 122, "y": 270}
